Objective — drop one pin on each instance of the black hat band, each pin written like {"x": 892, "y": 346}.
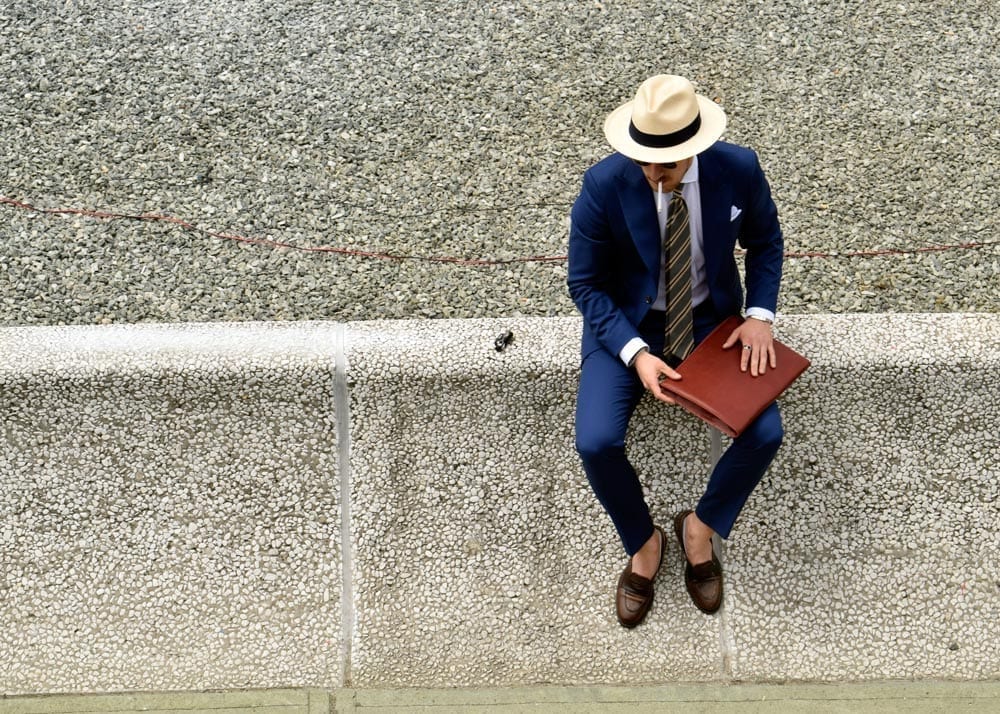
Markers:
{"x": 663, "y": 141}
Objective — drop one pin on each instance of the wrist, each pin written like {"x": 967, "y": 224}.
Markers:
{"x": 760, "y": 313}
{"x": 635, "y": 357}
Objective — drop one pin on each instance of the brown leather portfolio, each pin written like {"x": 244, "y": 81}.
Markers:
{"x": 714, "y": 389}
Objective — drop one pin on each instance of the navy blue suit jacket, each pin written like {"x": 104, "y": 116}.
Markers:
{"x": 614, "y": 242}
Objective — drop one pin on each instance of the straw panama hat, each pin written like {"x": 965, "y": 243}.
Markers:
{"x": 665, "y": 122}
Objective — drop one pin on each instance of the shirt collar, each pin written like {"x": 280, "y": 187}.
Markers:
{"x": 691, "y": 175}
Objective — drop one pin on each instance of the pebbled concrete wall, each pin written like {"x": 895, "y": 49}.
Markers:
{"x": 169, "y": 515}
{"x": 398, "y": 504}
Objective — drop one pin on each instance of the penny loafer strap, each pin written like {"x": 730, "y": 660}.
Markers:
{"x": 702, "y": 572}
{"x": 637, "y": 585}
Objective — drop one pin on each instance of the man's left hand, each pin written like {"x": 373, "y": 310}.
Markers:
{"x": 758, "y": 346}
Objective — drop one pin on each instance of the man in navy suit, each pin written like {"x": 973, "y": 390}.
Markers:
{"x": 667, "y": 141}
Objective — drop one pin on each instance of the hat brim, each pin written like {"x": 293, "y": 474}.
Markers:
{"x": 713, "y": 123}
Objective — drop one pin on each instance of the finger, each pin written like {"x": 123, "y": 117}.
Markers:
{"x": 671, "y": 373}
{"x": 745, "y": 358}
{"x": 773, "y": 356}
{"x": 664, "y": 396}
{"x": 660, "y": 393}
{"x": 731, "y": 340}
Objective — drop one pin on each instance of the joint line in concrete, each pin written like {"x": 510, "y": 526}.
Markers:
{"x": 342, "y": 412}
{"x": 725, "y": 635}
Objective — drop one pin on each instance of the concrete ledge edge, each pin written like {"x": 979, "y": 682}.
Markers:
{"x": 917, "y": 696}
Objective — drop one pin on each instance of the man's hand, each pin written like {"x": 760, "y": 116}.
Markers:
{"x": 651, "y": 370}
{"x": 758, "y": 346}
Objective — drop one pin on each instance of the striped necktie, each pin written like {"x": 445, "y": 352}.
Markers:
{"x": 677, "y": 273}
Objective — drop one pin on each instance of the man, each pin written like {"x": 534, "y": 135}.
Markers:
{"x": 652, "y": 237}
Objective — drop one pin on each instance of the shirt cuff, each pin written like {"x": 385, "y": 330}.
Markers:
{"x": 761, "y": 313}
{"x": 631, "y": 349}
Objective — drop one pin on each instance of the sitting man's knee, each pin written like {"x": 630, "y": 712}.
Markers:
{"x": 767, "y": 432}
{"x": 772, "y": 434}
{"x": 592, "y": 447}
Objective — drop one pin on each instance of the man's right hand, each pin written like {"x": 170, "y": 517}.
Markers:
{"x": 651, "y": 370}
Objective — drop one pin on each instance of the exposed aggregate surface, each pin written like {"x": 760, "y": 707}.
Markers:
{"x": 461, "y": 129}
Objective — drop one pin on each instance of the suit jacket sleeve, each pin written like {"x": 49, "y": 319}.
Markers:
{"x": 762, "y": 239}
{"x": 604, "y": 269}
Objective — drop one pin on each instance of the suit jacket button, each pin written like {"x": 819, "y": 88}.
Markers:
{"x": 649, "y": 300}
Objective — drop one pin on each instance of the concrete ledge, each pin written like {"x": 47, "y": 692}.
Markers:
{"x": 171, "y": 511}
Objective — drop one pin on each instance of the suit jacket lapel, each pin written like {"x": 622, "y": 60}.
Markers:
{"x": 716, "y": 204}
{"x": 640, "y": 215}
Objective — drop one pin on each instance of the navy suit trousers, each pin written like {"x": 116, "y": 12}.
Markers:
{"x": 608, "y": 395}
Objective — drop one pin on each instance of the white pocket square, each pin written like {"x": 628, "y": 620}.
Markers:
{"x": 734, "y": 213}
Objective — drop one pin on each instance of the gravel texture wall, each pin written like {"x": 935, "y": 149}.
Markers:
{"x": 392, "y": 503}
{"x": 462, "y": 129}
{"x": 169, "y": 508}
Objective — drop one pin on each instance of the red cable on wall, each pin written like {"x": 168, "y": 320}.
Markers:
{"x": 187, "y": 225}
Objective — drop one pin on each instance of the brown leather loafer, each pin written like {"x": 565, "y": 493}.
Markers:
{"x": 704, "y": 580}
{"x": 634, "y": 595}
